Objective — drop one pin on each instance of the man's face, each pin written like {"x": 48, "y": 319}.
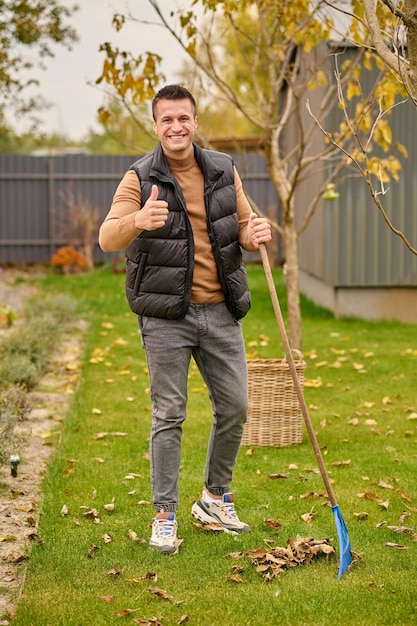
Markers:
{"x": 175, "y": 125}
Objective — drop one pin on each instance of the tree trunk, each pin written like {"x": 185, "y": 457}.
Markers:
{"x": 278, "y": 174}
{"x": 410, "y": 11}
{"x": 292, "y": 284}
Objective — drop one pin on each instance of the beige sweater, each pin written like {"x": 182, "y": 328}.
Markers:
{"x": 118, "y": 229}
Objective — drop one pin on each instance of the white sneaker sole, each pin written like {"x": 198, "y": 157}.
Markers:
{"x": 199, "y": 513}
{"x": 163, "y": 549}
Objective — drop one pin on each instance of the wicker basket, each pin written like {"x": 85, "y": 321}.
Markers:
{"x": 274, "y": 416}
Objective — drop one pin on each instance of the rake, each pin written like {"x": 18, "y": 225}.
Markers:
{"x": 345, "y": 558}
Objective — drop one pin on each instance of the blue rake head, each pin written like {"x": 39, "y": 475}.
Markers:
{"x": 344, "y": 542}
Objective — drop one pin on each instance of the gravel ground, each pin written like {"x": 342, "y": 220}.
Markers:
{"x": 21, "y": 496}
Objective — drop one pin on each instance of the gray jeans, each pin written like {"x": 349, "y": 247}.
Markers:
{"x": 214, "y": 339}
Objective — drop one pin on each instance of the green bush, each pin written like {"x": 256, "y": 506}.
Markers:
{"x": 25, "y": 352}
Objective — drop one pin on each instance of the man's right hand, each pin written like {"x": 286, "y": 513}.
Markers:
{"x": 153, "y": 214}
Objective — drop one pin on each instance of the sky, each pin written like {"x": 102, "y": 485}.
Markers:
{"x": 65, "y": 82}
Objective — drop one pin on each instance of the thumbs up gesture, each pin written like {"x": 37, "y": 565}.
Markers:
{"x": 153, "y": 214}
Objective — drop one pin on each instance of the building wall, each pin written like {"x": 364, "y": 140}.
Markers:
{"x": 350, "y": 261}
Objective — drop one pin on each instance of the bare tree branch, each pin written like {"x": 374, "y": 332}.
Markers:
{"x": 366, "y": 174}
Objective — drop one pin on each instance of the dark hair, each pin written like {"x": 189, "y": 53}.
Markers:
{"x": 172, "y": 92}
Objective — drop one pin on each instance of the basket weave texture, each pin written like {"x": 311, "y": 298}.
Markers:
{"x": 274, "y": 416}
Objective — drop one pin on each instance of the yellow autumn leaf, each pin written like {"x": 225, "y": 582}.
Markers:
{"x": 361, "y": 516}
{"x": 313, "y": 382}
{"x": 50, "y": 433}
{"x": 336, "y": 365}
{"x": 73, "y": 366}
{"x": 120, "y": 342}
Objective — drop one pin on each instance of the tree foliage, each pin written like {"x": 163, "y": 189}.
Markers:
{"x": 391, "y": 27}
{"x": 28, "y": 31}
{"x": 269, "y": 60}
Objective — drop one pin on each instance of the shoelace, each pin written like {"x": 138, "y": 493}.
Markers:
{"x": 230, "y": 509}
{"x": 165, "y": 528}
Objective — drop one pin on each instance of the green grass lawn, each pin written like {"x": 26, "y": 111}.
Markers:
{"x": 360, "y": 387}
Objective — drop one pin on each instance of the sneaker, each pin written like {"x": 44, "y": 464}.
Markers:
{"x": 219, "y": 512}
{"x": 164, "y": 535}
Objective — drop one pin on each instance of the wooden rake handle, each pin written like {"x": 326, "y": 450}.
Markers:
{"x": 290, "y": 361}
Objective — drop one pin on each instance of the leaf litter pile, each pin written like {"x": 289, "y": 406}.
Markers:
{"x": 271, "y": 562}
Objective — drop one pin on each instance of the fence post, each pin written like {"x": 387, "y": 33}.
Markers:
{"x": 51, "y": 207}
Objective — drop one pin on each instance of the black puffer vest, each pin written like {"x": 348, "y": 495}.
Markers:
{"x": 160, "y": 263}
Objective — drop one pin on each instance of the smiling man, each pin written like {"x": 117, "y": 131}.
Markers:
{"x": 181, "y": 213}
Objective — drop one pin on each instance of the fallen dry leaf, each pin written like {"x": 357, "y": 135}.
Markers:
{"x": 271, "y": 562}
{"x": 235, "y": 578}
{"x": 308, "y": 517}
{"x": 395, "y": 545}
{"x": 213, "y": 526}
{"x": 312, "y": 494}
{"x": 369, "y": 495}
{"x": 134, "y": 537}
{"x": 401, "y": 529}
{"x": 361, "y": 516}
{"x": 161, "y": 593}
{"x": 385, "y": 485}
{"x": 91, "y": 550}
{"x": 154, "y": 621}
{"x": 405, "y": 496}
{"x": 278, "y": 475}
{"x": 236, "y": 555}
{"x": 110, "y": 507}
{"x": 113, "y": 572}
{"x": 71, "y": 469}
{"x": 403, "y": 516}
{"x": 106, "y": 598}
{"x": 271, "y": 523}
{"x": 125, "y": 612}
{"x": 8, "y": 538}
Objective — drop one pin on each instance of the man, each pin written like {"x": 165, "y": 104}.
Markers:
{"x": 182, "y": 215}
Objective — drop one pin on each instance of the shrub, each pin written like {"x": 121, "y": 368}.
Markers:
{"x": 7, "y": 316}
{"x": 14, "y": 408}
{"x": 25, "y": 352}
{"x": 69, "y": 260}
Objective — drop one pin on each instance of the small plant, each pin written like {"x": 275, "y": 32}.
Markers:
{"x": 78, "y": 223}
{"x": 14, "y": 408}
{"x": 69, "y": 260}
{"x": 7, "y": 316}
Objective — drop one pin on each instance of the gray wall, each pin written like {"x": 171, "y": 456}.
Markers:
{"x": 348, "y": 244}
{"x": 32, "y": 206}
